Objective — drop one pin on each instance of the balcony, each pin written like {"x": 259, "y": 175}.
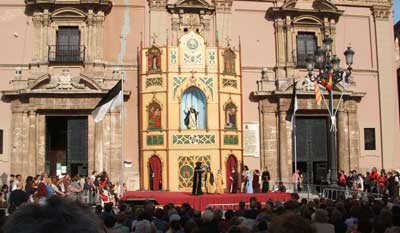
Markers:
{"x": 67, "y": 53}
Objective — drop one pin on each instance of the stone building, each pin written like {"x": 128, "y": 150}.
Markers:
{"x": 59, "y": 58}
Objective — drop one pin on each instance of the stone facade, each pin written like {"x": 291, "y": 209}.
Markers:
{"x": 112, "y": 36}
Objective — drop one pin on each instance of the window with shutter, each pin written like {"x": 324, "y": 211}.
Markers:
{"x": 68, "y": 45}
{"x": 306, "y": 45}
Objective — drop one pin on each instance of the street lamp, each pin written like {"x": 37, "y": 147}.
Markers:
{"x": 328, "y": 75}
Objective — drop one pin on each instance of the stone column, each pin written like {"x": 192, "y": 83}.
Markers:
{"x": 354, "y": 134}
{"x": 37, "y": 25}
{"x": 280, "y": 51}
{"x": 45, "y": 36}
{"x": 41, "y": 146}
{"x": 343, "y": 141}
{"x": 98, "y": 144}
{"x": 24, "y": 155}
{"x": 290, "y": 67}
{"x": 32, "y": 168}
{"x": 15, "y": 143}
{"x": 107, "y": 142}
{"x": 91, "y": 46}
{"x": 284, "y": 148}
{"x": 116, "y": 170}
{"x": 269, "y": 144}
{"x": 100, "y": 35}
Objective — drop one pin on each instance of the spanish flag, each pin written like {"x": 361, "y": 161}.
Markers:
{"x": 329, "y": 86}
{"x": 317, "y": 92}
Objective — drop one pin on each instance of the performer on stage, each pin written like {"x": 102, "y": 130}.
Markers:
{"x": 256, "y": 181}
{"x": 248, "y": 180}
{"x": 197, "y": 179}
{"x": 234, "y": 181}
{"x": 265, "y": 177}
{"x": 210, "y": 185}
{"x": 219, "y": 181}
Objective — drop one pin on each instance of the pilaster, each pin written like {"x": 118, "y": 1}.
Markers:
{"x": 343, "y": 141}
{"x": 32, "y": 143}
{"x": 390, "y": 134}
{"x": 158, "y": 20}
{"x": 223, "y": 10}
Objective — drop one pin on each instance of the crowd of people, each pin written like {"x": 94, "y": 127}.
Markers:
{"x": 92, "y": 190}
{"x": 65, "y": 215}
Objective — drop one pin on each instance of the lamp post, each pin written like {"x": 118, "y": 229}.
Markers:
{"x": 328, "y": 73}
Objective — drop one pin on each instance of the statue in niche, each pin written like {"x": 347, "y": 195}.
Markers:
{"x": 230, "y": 116}
{"x": 229, "y": 61}
{"x": 154, "y": 119}
{"x": 191, "y": 118}
{"x": 154, "y": 60}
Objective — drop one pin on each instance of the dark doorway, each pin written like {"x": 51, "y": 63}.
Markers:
{"x": 67, "y": 145}
{"x": 312, "y": 148}
{"x": 231, "y": 163}
{"x": 155, "y": 173}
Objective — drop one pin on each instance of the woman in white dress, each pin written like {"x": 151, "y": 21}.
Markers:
{"x": 249, "y": 180}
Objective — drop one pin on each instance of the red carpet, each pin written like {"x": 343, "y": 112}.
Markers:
{"x": 201, "y": 202}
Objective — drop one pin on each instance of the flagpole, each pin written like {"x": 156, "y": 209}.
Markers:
{"x": 121, "y": 177}
{"x": 294, "y": 129}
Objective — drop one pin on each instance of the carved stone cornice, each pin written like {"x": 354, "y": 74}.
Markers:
{"x": 223, "y": 5}
{"x": 40, "y": 5}
{"x": 157, "y": 4}
{"x": 381, "y": 12}
{"x": 201, "y": 7}
{"x": 318, "y": 8}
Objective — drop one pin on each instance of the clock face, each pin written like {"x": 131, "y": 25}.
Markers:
{"x": 192, "y": 43}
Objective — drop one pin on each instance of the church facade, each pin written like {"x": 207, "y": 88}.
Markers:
{"x": 205, "y": 80}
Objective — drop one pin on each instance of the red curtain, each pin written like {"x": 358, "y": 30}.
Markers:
{"x": 155, "y": 165}
{"x": 230, "y": 163}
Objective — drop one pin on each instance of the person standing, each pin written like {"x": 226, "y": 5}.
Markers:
{"x": 265, "y": 177}
{"x": 197, "y": 175}
{"x": 248, "y": 180}
{"x": 219, "y": 182}
{"x": 18, "y": 196}
{"x": 234, "y": 181}
{"x": 256, "y": 181}
{"x": 210, "y": 185}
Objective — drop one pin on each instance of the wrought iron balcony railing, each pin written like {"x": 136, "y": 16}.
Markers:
{"x": 67, "y": 53}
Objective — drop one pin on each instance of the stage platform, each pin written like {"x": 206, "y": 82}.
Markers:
{"x": 201, "y": 202}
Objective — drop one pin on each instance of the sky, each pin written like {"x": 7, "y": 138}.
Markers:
{"x": 396, "y": 8}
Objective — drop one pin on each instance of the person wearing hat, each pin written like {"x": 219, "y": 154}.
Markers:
{"x": 197, "y": 175}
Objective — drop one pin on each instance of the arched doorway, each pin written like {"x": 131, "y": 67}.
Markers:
{"x": 231, "y": 162}
{"x": 155, "y": 173}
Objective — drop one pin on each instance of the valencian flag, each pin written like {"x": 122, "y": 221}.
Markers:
{"x": 317, "y": 93}
{"x": 111, "y": 100}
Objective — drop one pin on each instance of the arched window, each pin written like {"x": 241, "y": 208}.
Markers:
{"x": 154, "y": 60}
{"x": 193, "y": 109}
{"x": 154, "y": 116}
{"x": 229, "y": 61}
{"x": 230, "y": 116}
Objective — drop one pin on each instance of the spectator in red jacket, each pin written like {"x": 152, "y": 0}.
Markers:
{"x": 42, "y": 193}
